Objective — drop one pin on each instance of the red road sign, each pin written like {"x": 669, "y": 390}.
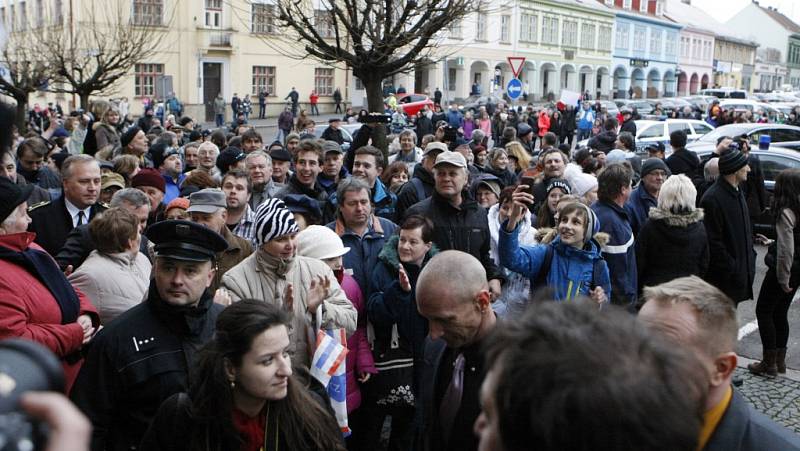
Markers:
{"x": 516, "y": 63}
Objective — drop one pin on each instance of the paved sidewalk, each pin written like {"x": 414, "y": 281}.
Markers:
{"x": 778, "y": 398}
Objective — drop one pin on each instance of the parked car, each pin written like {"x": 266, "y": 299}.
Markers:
{"x": 412, "y": 103}
{"x": 650, "y": 131}
{"x": 700, "y": 102}
{"x": 773, "y": 161}
{"x": 610, "y": 106}
{"x": 724, "y": 93}
{"x": 784, "y": 136}
{"x": 474, "y": 102}
{"x": 643, "y": 107}
{"x": 348, "y": 131}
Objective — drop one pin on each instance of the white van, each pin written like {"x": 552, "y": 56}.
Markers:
{"x": 724, "y": 93}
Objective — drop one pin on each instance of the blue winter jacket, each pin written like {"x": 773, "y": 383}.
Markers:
{"x": 383, "y": 200}
{"x": 455, "y": 119}
{"x": 364, "y": 251}
{"x": 619, "y": 252}
{"x": 638, "y": 207}
{"x": 571, "y": 269}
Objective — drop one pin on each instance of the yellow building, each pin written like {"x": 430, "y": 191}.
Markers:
{"x": 210, "y": 46}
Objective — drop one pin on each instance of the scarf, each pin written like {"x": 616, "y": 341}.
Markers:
{"x": 303, "y": 189}
{"x": 44, "y": 268}
{"x": 251, "y": 430}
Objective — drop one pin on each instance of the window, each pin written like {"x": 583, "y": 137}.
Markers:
{"x": 772, "y": 165}
{"x": 671, "y": 43}
{"x": 23, "y": 15}
{"x": 12, "y": 18}
{"x": 623, "y": 36}
{"x": 147, "y": 12}
{"x": 3, "y": 16}
{"x": 451, "y": 79}
{"x": 640, "y": 39}
{"x": 214, "y": 13}
{"x": 605, "y": 38}
{"x": 263, "y": 18}
{"x": 684, "y": 47}
{"x": 655, "y": 41}
{"x": 263, "y": 79}
{"x": 682, "y": 126}
{"x": 654, "y": 131}
{"x": 145, "y": 79}
{"x": 659, "y": 8}
{"x": 550, "y": 30}
{"x": 643, "y": 5}
{"x": 323, "y": 24}
{"x": 456, "y": 31}
{"x": 695, "y": 48}
{"x": 505, "y": 28}
{"x": 627, "y": 4}
{"x": 480, "y": 27}
{"x": 528, "y": 27}
{"x": 323, "y": 81}
{"x": 587, "y": 35}
{"x": 39, "y": 13}
{"x": 58, "y": 12}
{"x": 569, "y": 38}
{"x": 700, "y": 128}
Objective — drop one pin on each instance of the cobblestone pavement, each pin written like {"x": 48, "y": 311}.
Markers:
{"x": 778, "y": 398}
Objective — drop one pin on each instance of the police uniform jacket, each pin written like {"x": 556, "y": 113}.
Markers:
{"x": 52, "y": 223}
{"x": 135, "y": 363}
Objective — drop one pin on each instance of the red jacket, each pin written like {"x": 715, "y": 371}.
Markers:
{"x": 314, "y": 98}
{"x": 28, "y": 309}
{"x": 544, "y": 124}
{"x": 359, "y": 357}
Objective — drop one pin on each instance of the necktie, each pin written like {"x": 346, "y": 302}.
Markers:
{"x": 451, "y": 401}
{"x": 81, "y": 217}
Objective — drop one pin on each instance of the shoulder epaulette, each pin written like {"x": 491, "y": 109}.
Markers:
{"x": 40, "y": 204}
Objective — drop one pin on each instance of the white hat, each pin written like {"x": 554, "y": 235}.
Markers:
{"x": 582, "y": 183}
{"x": 320, "y": 242}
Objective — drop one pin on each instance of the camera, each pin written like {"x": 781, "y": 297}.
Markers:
{"x": 373, "y": 118}
{"x": 734, "y": 146}
{"x": 24, "y": 366}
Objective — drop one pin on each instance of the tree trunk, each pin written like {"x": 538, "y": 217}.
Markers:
{"x": 85, "y": 101}
{"x": 375, "y": 105}
{"x": 22, "y": 114}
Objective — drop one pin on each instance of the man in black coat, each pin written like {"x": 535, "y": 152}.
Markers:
{"x": 437, "y": 97}
{"x": 421, "y": 184}
{"x": 605, "y": 140}
{"x": 683, "y": 161}
{"x": 701, "y": 318}
{"x": 458, "y": 221}
{"x": 143, "y": 357}
{"x": 730, "y": 236}
{"x": 457, "y": 305}
{"x": 52, "y": 221}
{"x": 333, "y": 132}
{"x": 628, "y": 125}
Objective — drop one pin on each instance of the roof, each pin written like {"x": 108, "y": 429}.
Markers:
{"x": 689, "y": 15}
{"x": 782, "y": 20}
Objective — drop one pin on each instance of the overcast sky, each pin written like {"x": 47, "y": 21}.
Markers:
{"x": 723, "y": 10}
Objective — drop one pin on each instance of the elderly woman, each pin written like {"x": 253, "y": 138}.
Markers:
{"x": 207, "y": 154}
{"x": 115, "y": 276}
{"x": 276, "y": 274}
{"x": 37, "y": 301}
{"x": 672, "y": 242}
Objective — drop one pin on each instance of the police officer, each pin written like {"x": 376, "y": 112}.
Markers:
{"x": 143, "y": 356}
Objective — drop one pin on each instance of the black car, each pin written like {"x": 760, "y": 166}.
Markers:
{"x": 784, "y": 136}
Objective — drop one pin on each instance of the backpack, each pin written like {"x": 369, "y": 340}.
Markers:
{"x": 541, "y": 279}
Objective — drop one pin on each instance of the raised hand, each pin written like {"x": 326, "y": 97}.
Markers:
{"x": 222, "y": 297}
{"x": 405, "y": 284}
{"x": 317, "y": 292}
{"x": 521, "y": 199}
{"x": 598, "y": 295}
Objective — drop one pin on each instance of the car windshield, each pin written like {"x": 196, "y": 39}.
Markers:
{"x": 725, "y": 130}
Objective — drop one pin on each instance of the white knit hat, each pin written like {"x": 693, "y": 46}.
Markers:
{"x": 320, "y": 242}
{"x": 582, "y": 183}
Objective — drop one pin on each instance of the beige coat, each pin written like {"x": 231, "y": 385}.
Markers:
{"x": 260, "y": 276}
{"x": 113, "y": 282}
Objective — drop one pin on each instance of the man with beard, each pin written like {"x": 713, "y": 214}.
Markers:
{"x": 168, "y": 161}
{"x": 32, "y": 156}
{"x": 259, "y": 169}
{"x": 144, "y": 356}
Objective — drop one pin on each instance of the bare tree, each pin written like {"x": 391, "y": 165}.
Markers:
{"x": 374, "y": 38}
{"x": 102, "y": 46}
{"x": 25, "y": 70}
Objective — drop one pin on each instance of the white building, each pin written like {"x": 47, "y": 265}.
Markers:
{"x": 696, "y": 58}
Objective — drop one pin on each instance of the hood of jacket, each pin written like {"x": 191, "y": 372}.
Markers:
{"x": 676, "y": 220}
{"x": 424, "y": 175}
{"x": 391, "y": 258}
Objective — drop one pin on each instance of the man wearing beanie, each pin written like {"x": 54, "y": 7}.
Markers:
{"x": 167, "y": 160}
{"x": 133, "y": 142}
{"x": 153, "y": 184}
{"x": 730, "y": 237}
{"x": 302, "y": 285}
{"x": 645, "y": 196}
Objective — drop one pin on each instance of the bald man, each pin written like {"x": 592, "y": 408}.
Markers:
{"x": 457, "y": 305}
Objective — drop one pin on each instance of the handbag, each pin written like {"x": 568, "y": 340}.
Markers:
{"x": 391, "y": 387}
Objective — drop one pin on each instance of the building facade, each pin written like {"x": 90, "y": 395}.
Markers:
{"x": 214, "y": 46}
{"x": 566, "y": 46}
{"x": 646, "y": 47}
{"x": 734, "y": 62}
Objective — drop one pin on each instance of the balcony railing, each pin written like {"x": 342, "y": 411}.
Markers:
{"x": 219, "y": 39}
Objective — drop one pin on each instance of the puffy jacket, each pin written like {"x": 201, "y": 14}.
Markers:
{"x": 464, "y": 228}
{"x": 455, "y": 119}
{"x": 619, "y": 253}
{"x": 586, "y": 119}
{"x": 389, "y": 304}
{"x": 543, "y": 124}
{"x": 359, "y": 355}
{"x": 571, "y": 271}
{"x": 261, "y": 276}
{"x": 364, "y": 250}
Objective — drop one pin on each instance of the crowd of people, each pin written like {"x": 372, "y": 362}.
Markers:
{"x": 478, "y": 277}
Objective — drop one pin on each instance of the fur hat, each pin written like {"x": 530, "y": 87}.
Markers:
{"x": 273, "y": 220}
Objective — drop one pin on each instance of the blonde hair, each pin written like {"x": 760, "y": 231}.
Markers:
{"x": 515, "y": 149}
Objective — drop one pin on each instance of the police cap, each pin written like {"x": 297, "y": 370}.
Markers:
{"x": 185, "y": 240}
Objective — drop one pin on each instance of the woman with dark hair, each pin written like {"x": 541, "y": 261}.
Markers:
{"x": 242, "y": 395}
{"x": 546, "y": 216}
{"x": 783, "y": 276}
{"x": 395, "y": 176}
{"x": 393, "y": 302}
